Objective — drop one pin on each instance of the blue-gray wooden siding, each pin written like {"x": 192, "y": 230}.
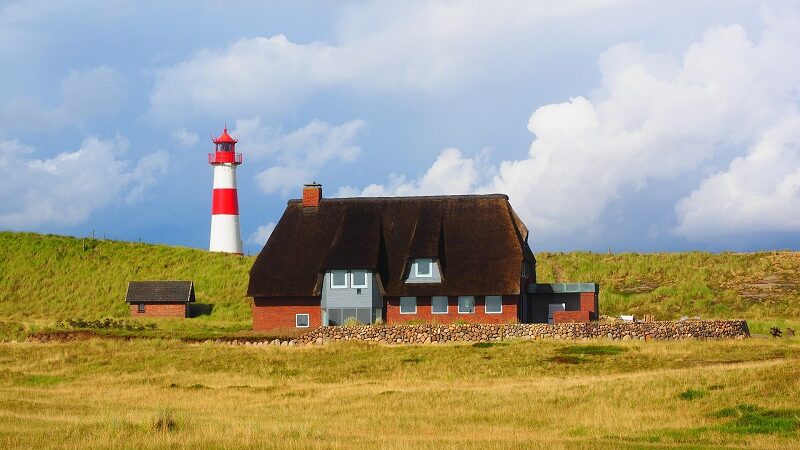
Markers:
{"x": 369, "y": 297}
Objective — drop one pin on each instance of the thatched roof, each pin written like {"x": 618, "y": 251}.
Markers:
{"x": 478, "y": 239}
{"x": 160, "y": 292}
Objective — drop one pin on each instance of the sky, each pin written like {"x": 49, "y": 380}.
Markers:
{"x": 611, "y": 125}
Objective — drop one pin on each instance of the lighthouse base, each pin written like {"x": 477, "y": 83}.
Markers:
{"x": 225, "y": 235}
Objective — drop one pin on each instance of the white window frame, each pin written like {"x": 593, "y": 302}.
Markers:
{"x": 400, "y": 306}
{"x": 473, "y": 304}
{"x": 353, "y": 282}
{"x": 346, "y": 280}
{"x": 308, "y": 321}
{"x": 446, "y": 304}
{"x": 430, "y": 268}
{"x": 486, "y": 301}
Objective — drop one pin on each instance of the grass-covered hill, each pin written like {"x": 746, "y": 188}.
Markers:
{"x": 47, "y": 278}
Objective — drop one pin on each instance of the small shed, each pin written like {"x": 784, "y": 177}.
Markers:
{"x": 160, "y": 298}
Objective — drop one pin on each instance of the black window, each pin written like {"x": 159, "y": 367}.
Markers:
{"x": 141, "y": 307}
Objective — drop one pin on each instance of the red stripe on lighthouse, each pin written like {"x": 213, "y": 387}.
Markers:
{"x": 225, "y": 201}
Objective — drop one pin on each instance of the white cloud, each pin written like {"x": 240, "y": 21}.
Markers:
{"x": 451, "y": 173}
{"x": 759, "y": 192}
{"x": 99, "y": 91}
{"x": 653, "y": 118}
{"x": 260, "y": 236}
{"x": 185, "y": 138}
{"x": 301, "y": 154}
{"x": 387, "y": 48}
{"x": 67, "y": 188}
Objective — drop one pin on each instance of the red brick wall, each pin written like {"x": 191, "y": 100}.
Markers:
{"x": 589, "y": 303}
{"x": 424, "y": 313}
{"x": 312, "y": 196}
{"x": 159, "y": 310}
{"x": 570, "y": 316}
{"x": 279, "y": 313}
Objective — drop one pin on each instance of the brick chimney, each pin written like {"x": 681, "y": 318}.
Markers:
{"x": 312, "y": 194}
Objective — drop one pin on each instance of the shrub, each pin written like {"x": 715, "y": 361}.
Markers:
{"x": 165, "y": 422}
{"x": 104, "y": 324}
{"x": 351, "y": 322}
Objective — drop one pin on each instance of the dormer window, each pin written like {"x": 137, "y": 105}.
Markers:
{"x": 424, "y": 270}
{"x": 338, "y": 279}
{"x": 422, "y": 267}
{"x": 359, "y": 279}
{"x": 343, "y": 279}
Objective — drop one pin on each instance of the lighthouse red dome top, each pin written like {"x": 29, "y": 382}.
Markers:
{"x": 225, "y": 138}
{"x": 225, "y": 150}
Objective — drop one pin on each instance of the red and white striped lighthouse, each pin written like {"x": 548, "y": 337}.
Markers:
{"x": 225, "y": 234}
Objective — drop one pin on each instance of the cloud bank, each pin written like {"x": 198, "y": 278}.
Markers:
{"x": 87, "y": 94}
{"x": 728, "y": 101}
{"x": 386, "y": 48}
{"x": 299, "y": 154}
{"x": 67, "y": 188}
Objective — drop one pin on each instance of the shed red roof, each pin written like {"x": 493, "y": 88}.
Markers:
{"x": 225, "y": 138}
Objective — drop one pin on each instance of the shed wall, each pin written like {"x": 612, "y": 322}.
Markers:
{"x": 159, "y": 310}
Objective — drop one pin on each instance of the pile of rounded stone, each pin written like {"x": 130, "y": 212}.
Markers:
{"x": 277, "y": 342}
{"x": 436, "y": 333}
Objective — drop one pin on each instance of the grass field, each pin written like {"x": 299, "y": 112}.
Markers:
{"x": 47, "y": 278}
{"x": 165, "y": 393}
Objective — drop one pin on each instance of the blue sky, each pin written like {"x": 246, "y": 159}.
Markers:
{"x": 635, "y": 126}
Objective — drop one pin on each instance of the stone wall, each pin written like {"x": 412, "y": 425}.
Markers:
{"x": 434, "y": 333}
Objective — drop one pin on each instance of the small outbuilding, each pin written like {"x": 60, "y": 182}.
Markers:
{"x": 564, "y": 302}
{"x": 160, "y": 298}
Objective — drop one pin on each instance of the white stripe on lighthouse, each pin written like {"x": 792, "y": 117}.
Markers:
{"x": 225, "y": 235}
{"x": 224, "y": 176}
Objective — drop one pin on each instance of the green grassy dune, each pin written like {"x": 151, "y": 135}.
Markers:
{"x": 45, "y": 278}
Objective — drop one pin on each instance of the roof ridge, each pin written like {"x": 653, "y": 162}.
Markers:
{"x": 408, "y": 198}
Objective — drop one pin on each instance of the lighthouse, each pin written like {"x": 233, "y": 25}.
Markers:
{"x": 225, "y": 234}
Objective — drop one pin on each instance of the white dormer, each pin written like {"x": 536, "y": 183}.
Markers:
{"x": 424, "y": 270}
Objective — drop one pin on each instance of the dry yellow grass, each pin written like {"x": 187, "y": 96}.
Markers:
{"x": 104, "y": 393}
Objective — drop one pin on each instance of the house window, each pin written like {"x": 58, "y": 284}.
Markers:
{"x": 439, "y": 304}
{"x": 494, "y": 304}
{"x": 338, "y": 279}
{"x": 466, "y": 304}
{"x": 301, "y": 320}
{"x": 422, "y": 268}
{"x": 358, "y": 279}
{"x": 141, "y": 307}
{"x": 408, "y": 305}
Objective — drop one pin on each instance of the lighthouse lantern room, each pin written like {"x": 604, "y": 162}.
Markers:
{"x": 225, "y": 234}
